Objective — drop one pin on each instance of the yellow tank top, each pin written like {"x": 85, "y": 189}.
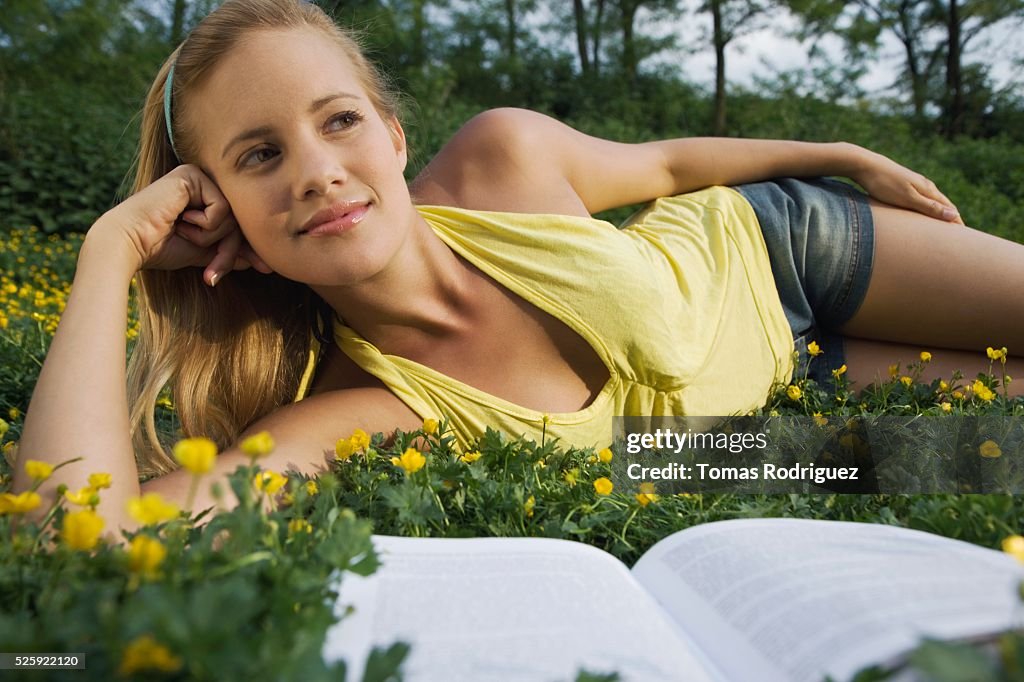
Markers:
{"x": 680, "y": 305}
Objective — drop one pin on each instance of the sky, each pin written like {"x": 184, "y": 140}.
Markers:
{"x": 766, "y": 51}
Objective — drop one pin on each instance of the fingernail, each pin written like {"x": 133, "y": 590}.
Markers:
{"x": 213, "y": 279}
{"x": 949, "y": 213}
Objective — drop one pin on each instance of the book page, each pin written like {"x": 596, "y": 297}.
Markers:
{"x": 507, "y": 609}
{"x": 812, "y": 598}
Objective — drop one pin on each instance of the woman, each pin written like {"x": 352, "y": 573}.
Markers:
{"x": 273, "y": 145}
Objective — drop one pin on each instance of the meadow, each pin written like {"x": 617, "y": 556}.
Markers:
{"x": 173, "y": 600}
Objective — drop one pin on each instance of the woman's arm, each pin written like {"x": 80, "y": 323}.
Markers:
{"x": 79, "y": 407}
{"x": 535, "y": 153}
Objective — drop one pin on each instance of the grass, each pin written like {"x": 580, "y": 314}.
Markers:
{"x": 62, "y": 591}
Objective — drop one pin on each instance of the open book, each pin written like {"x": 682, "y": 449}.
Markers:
{"x": 761, "y": 599}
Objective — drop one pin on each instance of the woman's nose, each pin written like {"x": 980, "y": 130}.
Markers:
{"x": 319, "y": 168}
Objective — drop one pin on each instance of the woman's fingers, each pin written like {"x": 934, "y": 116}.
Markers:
{"x": 223, "y": 260}
{"x": 250, "y": 257}
{"x": 936, "y": 204}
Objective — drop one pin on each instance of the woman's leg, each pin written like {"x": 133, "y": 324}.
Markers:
{"x": 941, "y": 285}
{"x": 868, "y": 363}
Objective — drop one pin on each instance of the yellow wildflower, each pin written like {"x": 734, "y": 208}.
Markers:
{"x": 99, "y": 481}
{"x": 269, "y": 482}
{"x": 19, "y": 504}
{"x": 145, "y": 653}
{"x": 839, "y": 372}
{"x": 151, "y": 508}
{"x": 993, "y": 354}
{"x": 1014, "y": 546}
{"x": 411, "y": 461}
{"x": 820, "y": 419}
{"x": 14, "y": 413}
{"x": 943, "y": 386}
{"x": 571, "y": 477}
{"x": 296, "y": 526}
{"x": 603, "y": 486}
{"x": 430, "y": 426}
{"x": 85, "y": 497}
{"x": 814, "y": 349}
{"x": 344, "y": 449}
{"x": 312, "y": 488}
{"x": 360, "y": 439}
{"x": 982, "y": 391}
{"x": 146, "y": 554}
{"x": 894, "y": 370}
{"x": 258, "y": 445}
{"x": 946, "y": 407}
{"x": 926, "y": 356}
{"x": 38, "y": 471}
{"x": 4, "y": 427}
{"x": 605, "y": 455}
{"x": 81, "y": 529}
{"x": 470, "y": 457}
{"x": 529, "y": 505}
{"x": 646, "y": 494}
{"x": 989, "y": 449}
{"x": 958, "y": 395}
{"x": 196, "y": 454}
{"x": 906, "y": 381}
{"x": 794, "y": 392}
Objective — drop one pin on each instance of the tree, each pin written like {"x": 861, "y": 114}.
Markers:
{"x": 935, "y": 36}
{"x": 729, "y": 20}
{"x": 633, "y": 48}
{"x": 964, "y": 21}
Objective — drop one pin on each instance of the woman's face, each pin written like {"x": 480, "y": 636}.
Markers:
{"x": 288, "y": 133}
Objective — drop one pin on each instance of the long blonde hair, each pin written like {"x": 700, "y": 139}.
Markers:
{"x": 232, "y": 354}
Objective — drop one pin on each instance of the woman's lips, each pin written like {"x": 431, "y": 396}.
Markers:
{"x": 340, "y": 224}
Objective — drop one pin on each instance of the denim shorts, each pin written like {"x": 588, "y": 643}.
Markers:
{"x": 821, "y": 243}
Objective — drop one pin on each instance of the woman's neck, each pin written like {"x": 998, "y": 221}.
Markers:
{"x": 425, "y": 293}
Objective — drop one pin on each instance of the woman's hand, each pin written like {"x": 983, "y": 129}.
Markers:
{"x": 888, "y": 181}
{"x": 182, "y": 220}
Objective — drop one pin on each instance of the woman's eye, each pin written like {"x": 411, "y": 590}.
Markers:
{"x": 257, "y": 157}
{"x": 345, "y": 120}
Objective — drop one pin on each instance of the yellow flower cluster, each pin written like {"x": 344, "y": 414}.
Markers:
{"x": 411, "y": 461}
{"x": 37, "y": 288}
{"x": 145, "y": 653}
{"x": 359, "y": 441}
{"x": 982, "y": 391}
{"x": 36, "y": 293}
{"x": 269, "y": 482}
{"x": 145, "y": 555}
{"x": 258, "y": 445}
{"x": 196, "y": 454}
{"x": 646, "y": 494}
{"x": 470, "y": 457}
{"x": 81, "y": 529}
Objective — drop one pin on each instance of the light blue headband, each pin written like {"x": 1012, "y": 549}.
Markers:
{"x": 167, "y": 109}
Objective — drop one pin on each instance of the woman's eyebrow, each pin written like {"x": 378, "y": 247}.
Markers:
{"x": 263, "y": 131}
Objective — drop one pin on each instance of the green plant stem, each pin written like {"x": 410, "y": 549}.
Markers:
{"x": 46, "y": 521}
{"x": 241, "y": 562}
{"x": 622, "y": 535}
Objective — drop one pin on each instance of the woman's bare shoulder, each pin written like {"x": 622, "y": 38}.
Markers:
{"x": 494, "y": 163}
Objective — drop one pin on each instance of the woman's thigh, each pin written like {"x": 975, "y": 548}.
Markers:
{"x": 941, "y": 285}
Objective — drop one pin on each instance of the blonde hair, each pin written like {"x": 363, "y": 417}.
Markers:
{"x": 237, "y": 352}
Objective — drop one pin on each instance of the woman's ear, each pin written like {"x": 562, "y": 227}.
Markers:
{"x": 398, "y": 139}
